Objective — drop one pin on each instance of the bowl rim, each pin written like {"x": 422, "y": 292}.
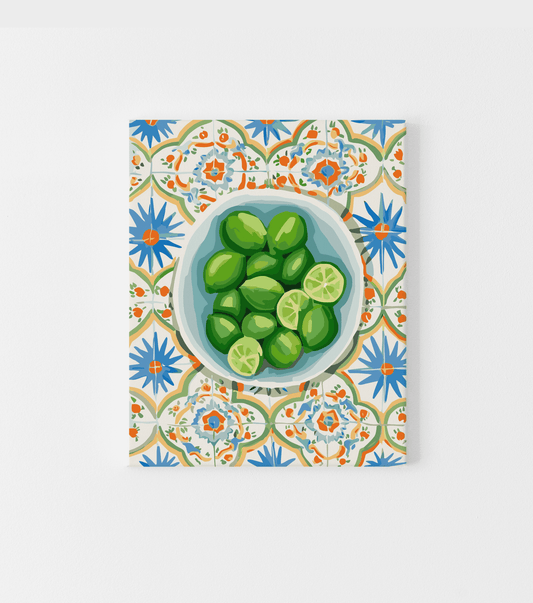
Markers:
{"x": 241, "y": 198}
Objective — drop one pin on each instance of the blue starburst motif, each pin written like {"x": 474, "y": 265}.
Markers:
{"x": 151, "y": 234}
{"x": 271, "y": 458}
{"x": 385, "y": 368}
{"x": 268, "y": 127}
{"x": 159, "y": 462}
{"x": 378, "y": 126}
{"x": 154, "y": 364}
{"x": 385, "y": 461}
{"x": 214, "y": 170}
{"x": 152, "y": 128}
{"x": 382, "y": 233}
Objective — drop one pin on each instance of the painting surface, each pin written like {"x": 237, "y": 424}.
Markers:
{"x": 339, "y": 405}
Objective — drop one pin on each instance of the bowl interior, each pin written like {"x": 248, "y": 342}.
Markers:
{"x": 328, "y": 240}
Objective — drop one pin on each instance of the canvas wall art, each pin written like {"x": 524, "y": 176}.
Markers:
{"x": 267, "y": 297}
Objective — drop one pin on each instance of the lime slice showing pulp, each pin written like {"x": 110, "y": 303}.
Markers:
{"x": 289, "y": 306}
{"x": 324, "y": 283}
{"x": 245, "y": 356}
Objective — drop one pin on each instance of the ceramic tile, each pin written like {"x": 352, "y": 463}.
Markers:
{"x": 182, "y": 174}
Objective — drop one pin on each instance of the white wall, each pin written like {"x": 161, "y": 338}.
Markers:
{"x": 77, "y": 524}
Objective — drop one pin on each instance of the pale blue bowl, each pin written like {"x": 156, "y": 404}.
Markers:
{"x": 329, "y": 240}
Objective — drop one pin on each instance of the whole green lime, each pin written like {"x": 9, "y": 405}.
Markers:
{"x": 222, "y": 331}
{"x": 261, "y": 293}
{"x": 230, "y": 302}
{"x": 259, "y": 325}
{"x": 318, "y": 328}
{"x": 224, "y": 270}
{"x": 282, "y": 348}
{"x": 286, "y": 232}
{"x": 264, "y": 264}
{"x": 296, "y": 265}
{"x": 243, "y": 232}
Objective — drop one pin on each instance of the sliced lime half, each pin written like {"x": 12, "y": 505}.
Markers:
{"x": 289, "y": 307}
{"x": 246, "y": 356}
{"x": 324, "y": 283}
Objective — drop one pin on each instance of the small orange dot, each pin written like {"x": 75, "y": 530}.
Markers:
{"x": 151, "y": 237}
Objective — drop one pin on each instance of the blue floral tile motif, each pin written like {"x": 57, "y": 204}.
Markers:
{"x": 181, "y": 414}
{"x": 268, "y": 127}
{"x": 385, "y": 367}
{"x": 378, "y": 126}
{"x": 381, "y": 233}
{"x": 151, "y": 235}
{"x": 167, "y": 461}
{"x": 154, "y": 364}
{"x": 270, "y": 457}
{"x": 152, "y": 129}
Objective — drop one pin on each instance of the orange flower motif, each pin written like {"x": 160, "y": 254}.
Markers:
{"x": 284, "y": 160}
{"x": 366, "y": 316}
{"x": 137, "y": 312}
{"x": 362, "y": 157}
{"x": 135, "y": 408}
{"x": 133, "y": 432}
{"x": 164, "y": 291}
{"x": 203, "y": 207}
{"x": 252, "y": 163}
{"x": 402, "y": 318}
{"x": 206, "y": 388}
{"x": 328, "y": 421}
{"x": 364, "y": 413}
{"x": 214, "y": 170}
{"x": 171, "y": 184}
{"x": 313, "y": 393}
{"x": 360, "y": 179}
{"x": 281, "y": 181}
{"x": 136, "y": 160}
{"x": 139, "y": 292}
{"x": 133, "y": 181}
{"x": 228, "y": 457}
{"x": 247, "y": 435}
{"x": 223, "y": 389}
{"x": 172, "y": 435}
{"x": 400, "y": 436}
{"x": 397, "y": 173}
{"x": 369, "y": 293}
{"x": 327, "y": 171}
{"x": 289, "y": 412}
{"x": 214, "y": 421}
{"x": 289, "y": 433}
{"x": 399, "y": 154}
{"x": 170, "y": 158}
{"x": 223, "y": 137}
{"x": 342, "y": 461}
{"x": 364, "y": 435}
{"x": 203, "y": 134}
{"x": 402, "y": 417}
{"x": 244, "y": 411}
{"x": 175, "y": 408}
{"x": 334, "y": 133}
{"x": 341, "y": 393}
{"x": 312, "y": 134}
{"x": 166, "y": 313}
{"x": 316, "y": 460}
{"x": 402, "y": 294}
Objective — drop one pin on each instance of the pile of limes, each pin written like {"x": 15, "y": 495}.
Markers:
{"x": 272, "y": 299}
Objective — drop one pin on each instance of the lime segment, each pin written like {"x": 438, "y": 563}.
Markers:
{"x": 245, "y": 356}
{"x": 324, "y": 283}
{"x": 289, "y": 307}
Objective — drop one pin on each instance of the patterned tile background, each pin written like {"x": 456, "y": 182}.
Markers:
{"x": 353, "y": 417}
